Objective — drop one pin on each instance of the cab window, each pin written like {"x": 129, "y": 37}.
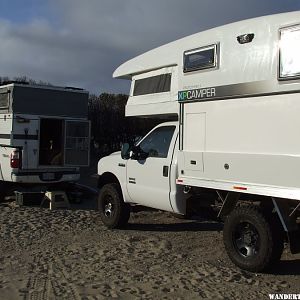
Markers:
{"x": 157, "y": 143}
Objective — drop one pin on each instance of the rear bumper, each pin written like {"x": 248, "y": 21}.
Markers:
{"x": 45, "y": 177}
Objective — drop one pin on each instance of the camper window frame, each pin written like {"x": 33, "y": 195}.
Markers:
{"x": 8, "y": 100}
{"x": 290, "y": 76}
{"x": 165, "y": 78}
{"x": 213, "y": 65}
{"x": 88, "y": 138}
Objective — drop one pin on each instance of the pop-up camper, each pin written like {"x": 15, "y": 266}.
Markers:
{"x": 44, "y": 133}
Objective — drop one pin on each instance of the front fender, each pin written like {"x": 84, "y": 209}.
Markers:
{"x": 112, "y": 169}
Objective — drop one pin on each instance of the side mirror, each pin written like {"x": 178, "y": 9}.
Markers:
{"x": 138, "y": 153}
{"x": 125, "y": 151}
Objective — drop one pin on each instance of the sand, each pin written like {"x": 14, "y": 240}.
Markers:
{"x": 69, "y": 254}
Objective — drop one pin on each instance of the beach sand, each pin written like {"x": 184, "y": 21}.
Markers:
{"x": 69, "y": 254}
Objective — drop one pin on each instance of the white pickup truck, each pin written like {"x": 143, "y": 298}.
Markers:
{"x": 233, "y": 92}
{"x": 145, "y": 174}
{"x": 44, "y": 136}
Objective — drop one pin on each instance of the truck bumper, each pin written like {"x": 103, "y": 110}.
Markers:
{"x": 45, "y": 177}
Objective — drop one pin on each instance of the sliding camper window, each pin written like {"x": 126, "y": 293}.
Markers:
{"x": 4, "y": 100}
{"x": 152, "y": 85}
{"x": 200, "y": 59}
{"x": 289, "y": 59}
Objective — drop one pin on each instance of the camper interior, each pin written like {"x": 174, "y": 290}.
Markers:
{"x": 63, "y": 142}
{"x": 51, "y": 142}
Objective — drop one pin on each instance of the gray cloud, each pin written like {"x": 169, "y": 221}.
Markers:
{"x": 88, "y": 39}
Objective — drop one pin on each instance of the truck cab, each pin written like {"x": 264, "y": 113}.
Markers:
{"x": 145, "y": 174}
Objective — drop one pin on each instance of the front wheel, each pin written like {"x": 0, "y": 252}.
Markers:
{"x": 249, "y": 240}
{"x": 114, "y": 213}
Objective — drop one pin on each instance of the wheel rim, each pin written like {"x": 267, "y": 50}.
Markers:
{"x": 246, "y": 240}
{"x": 108, "y": 207}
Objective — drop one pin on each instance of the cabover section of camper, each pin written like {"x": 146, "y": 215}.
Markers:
{"x": 153, "y": 93}
{"x": 240, "y": 59}
{"x": 154, "y": 83}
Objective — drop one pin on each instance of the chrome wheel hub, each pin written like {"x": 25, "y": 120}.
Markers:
{"x": 246, "y": 240}
{"x": 108, "y": 210}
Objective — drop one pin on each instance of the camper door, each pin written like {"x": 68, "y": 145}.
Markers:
{"x": 77, "y": 140}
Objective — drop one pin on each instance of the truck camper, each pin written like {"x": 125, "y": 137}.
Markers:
{"x": 234, "y": 92}
{"x": 44, "y": 135}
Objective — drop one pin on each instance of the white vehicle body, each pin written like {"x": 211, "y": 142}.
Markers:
{"x": 238, "y": 116}
{"x": 44, "y": 133}
{"x": 235, "y": 92}
{"x": 143, "y": 182}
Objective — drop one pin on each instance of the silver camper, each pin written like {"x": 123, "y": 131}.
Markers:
{"x": 44, "y": 133}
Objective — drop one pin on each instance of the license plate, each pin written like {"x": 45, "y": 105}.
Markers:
{"x": 48, "y": 176}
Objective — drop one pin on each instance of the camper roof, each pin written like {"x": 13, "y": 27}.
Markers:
{"x": 169, "y": 54}
{"x": 43, "y": 100}
{"x": 41, "y": 86}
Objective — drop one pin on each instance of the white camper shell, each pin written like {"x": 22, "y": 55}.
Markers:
{"x": 44, "y": 133}
{"x": 249, "y": 58}
{"x": 236, "y": 91}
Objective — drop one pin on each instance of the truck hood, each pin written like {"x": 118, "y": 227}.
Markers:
{"x": 117, "y": 153}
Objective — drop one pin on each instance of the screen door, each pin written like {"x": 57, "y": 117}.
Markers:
{"x": 77, "y": 143}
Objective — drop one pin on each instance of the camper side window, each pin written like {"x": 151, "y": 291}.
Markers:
{"x": 200, "y": 59}
{"x": 152, "y": 85}
{"x": 289, "y": 59}
{"x": 4, "y": 100}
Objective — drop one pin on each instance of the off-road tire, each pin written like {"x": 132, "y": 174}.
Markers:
{"x": 114, "y": 213}
{"x": 261, "y": 247}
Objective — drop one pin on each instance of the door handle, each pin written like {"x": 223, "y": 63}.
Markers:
{"x": 165, "y": 171}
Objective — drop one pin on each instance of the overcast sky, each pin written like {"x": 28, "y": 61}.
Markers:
{"x": 80, "y": 43}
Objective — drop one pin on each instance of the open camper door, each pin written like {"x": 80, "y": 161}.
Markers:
{"x": 77, "y": 143}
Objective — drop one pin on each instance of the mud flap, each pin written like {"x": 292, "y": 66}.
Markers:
{"x": 283, "y": 210}
{"x": 229, "y": 203}
{"x": 288, "y": 223}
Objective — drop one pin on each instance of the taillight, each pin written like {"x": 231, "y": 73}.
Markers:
{"x": 15, "y": 159}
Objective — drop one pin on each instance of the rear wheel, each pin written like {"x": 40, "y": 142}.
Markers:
{"x": 249, "y": 239}
{"x": 114, "y": 212}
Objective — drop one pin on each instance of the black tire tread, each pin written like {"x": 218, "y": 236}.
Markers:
{"x": 262, "y": 262}
{"x": 122, "y": 208}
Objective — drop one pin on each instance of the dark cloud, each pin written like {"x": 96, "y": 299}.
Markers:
{"x": 86, "y": 40}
